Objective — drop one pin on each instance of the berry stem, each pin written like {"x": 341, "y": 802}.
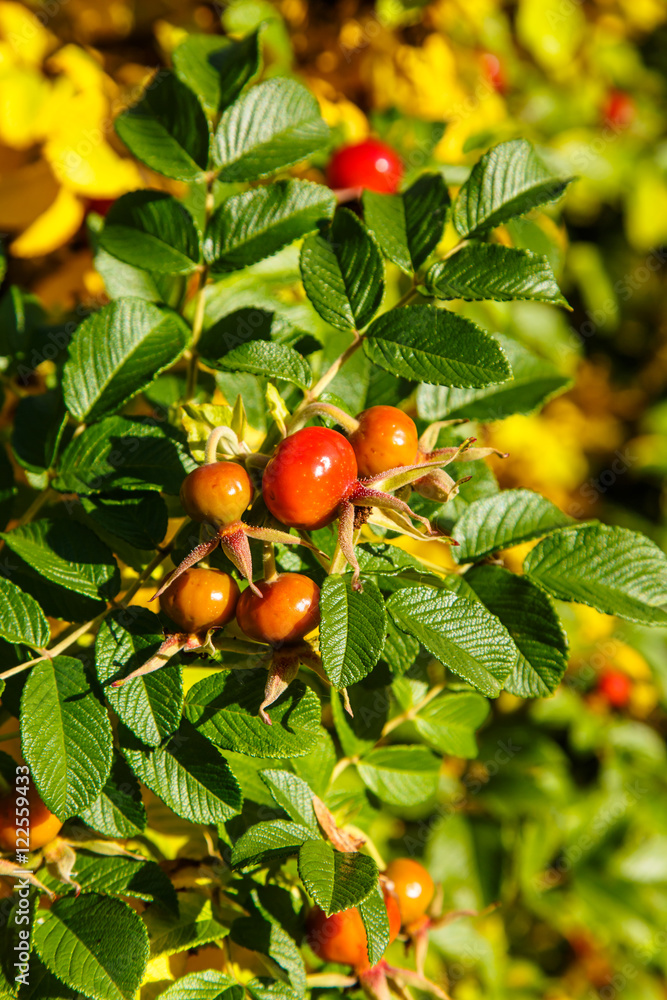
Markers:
{"x": 269, "y": 563}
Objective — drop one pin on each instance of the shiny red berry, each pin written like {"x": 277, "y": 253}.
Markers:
{"x": 200, "y": 599}
{"x": 616, "y": 688}
{"x": 385, "y": 439}
{"x": 217, "y": 493}
{"x": 288, "y": 609}
{"x": 413, "y": 887}
{"x": 309, "y": 474}
{"x": 342, "y": 937}
{"x": 369, "y": 164}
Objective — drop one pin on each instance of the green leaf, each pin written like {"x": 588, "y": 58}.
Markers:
{"x": 141, "y": 519}
{"x": 509, "y": 180}
{"x": 503, "y": 520}
{"x": 224, "y": 709}
{"x": 352, "y": 629}
{"x": 167, "y": 130}
{"x": 68, "y": 555}
{"x": 118, "y": 876}
{"x": 255, "y": 224}
{"x": 400, "y": 774}
{"x": 448, "y": 723}
{"x": 264, "y": 988}
{"x": 409, "y": 226}
{"x": 210, "y": 983}
{"x": 270, "y": 841}
{"x": 617, "y": 571}
{"x": 39, "y": 426}
{"x": 217, "y": 70}
{"x": 261, "y": 357}
{"x": 336, "y": 880}
{"x": 188, "y": 774}
{"x": 116, "y": 352}
{"x": 80, "y": 941}
{"x": 21, "y": 618}
{"x": 492, "y": 271}
{"x": 293, "y": 795}
{"x": 360, "y": 732}
{"x": 343, "y": 272}
{"x": 373, "y": 913}
{"x": 434, "y": 345}
{"x": 194, "y": 925}
{"x": 151, "y": 228}
{"x": 125, "y": 453}
{"x": 458, "y": 632}
{"x": 151, "y": 705}
{"x": 400, "y": 650}
{"x": 531, "y": 620}
{"x": 533, "y": 382}
{"x": 265, "y": 931}
{"x": 274, "y": 125}
{"x": 121, "y": 280}
{"x": 118, "y": 811}
{"x": 65, "y": 735}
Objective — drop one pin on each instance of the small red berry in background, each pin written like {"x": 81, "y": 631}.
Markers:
{"x": 100, "y": 205}
{"x": 619, "y": 109}
{"x": 309, "y": 474}
{"x": 494, "y": 72}
{"x": 369, "y": 164}
{"x": 385, "y": 439}
{"x": 413, "y": 887}
{"x": 200, "y": 599}
{"x": 615, "y": 687}
{"x": 288, "y": 609}
{"x": 342, "y": 937}
{"x": 217, "y": 493}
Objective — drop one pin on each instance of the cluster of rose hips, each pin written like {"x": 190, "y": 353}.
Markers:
{"x": 315, "y": 476}
{"x": 408, "y": 891}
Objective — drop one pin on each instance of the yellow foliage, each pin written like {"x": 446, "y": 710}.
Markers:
{"x": 65, "y": 106}
{"x": 53, "y": 227}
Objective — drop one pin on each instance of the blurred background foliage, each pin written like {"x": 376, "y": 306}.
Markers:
{"x": 563, "y": 817}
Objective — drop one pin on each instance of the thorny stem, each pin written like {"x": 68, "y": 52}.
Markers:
{"x": 89, "y": 626}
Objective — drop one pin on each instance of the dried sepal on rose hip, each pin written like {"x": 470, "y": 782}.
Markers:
{"x": 312, "y": 479}
{"x": 286, "y": 610}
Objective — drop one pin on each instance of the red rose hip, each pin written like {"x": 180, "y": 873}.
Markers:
{"x": 616, "y": 688}
{"x": 309, "y": 475}
{"x": 217, "y": 493}
{"x": 288, "y": 609}
{"x": 200, "y": 599}
{"x": 342, "y": 936}
{"x": 385, "y": 439}
{"x": 413, "y": 886}
{"x": 369, "y": 164}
